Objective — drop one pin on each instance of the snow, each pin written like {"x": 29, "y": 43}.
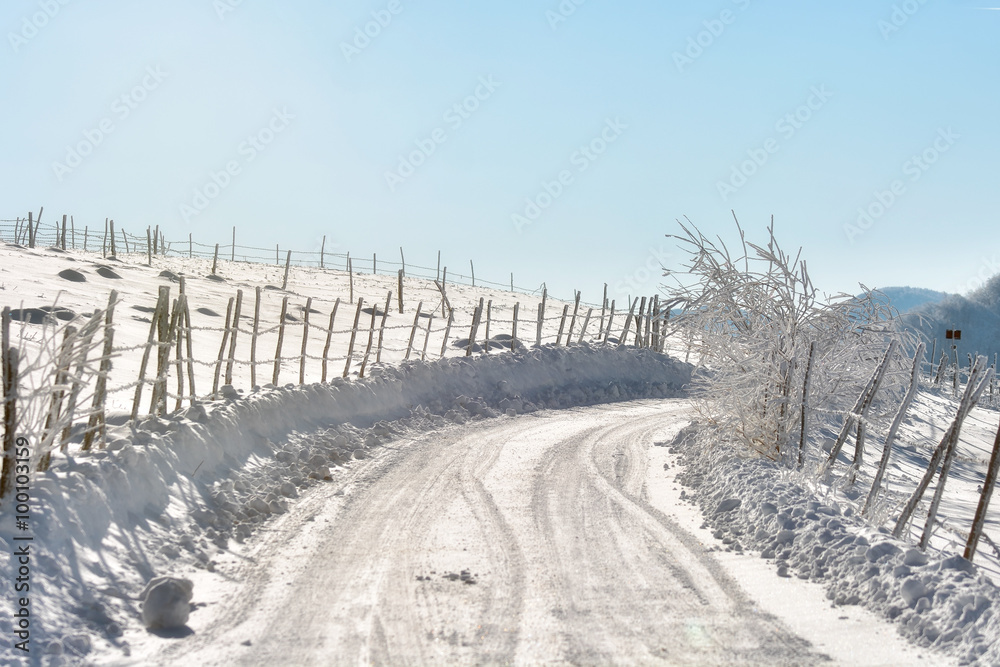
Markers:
{"x": 173, "y": 495}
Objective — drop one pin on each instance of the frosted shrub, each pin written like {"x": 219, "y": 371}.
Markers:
{"x": 752, "y": 318}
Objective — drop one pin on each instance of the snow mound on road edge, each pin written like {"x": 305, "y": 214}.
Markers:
{"x": 170, "y": 492}
{"x": 936, "y": 600}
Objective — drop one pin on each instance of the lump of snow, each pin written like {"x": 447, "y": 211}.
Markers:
{"x": 784, "y": 537}
{"x": 165, "y": 602}
{"x": 768, "y": 509}
{"x": 957, "y": 563}
{"x": 913, "y": 589}
{"x": 727, "y": 505}
{"x": 881, "y": 550}
{"x": 914, "y": 558}
{"x": 229, "y": 392}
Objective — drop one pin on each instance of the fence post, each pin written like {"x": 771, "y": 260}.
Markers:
{"x": 572, "y": 322}
{"x": 322, "y": 250}
{"x": 538, "y": 328}
{"x": 31, "y": 230}
{"x": 562, "y": 323}
{"x": 62, "y": 243}
{"x": 628, "y": 321}
{"x": 52, "y": 419}
{"x": 192, "y": 395}
{"x": 232, "y": 253}
{"x": 371, "y": 340}
{"x": 476, "y": 316}
{"x": 473, "y": 268}
{"x": 86, "y": 232}
{"x": 413, "y": 331}
{"x": 10, "y": 382}
{"x": 402, "y": 264}
{"x": 374, "y": 265}
{"x": 179, "y": 352}
{"x": 400, "y": 297}
{"x": 222, "y": 349}
{"x": 639, "y": 322}
{"x": 805, "y": 404}
{"x": 984, "y": 500}
{"x": 329, "y": 335}
{"x": 437, "y": 275}
{"x": 253, "y": 338}
{"x": 149, "y": 248}
{"x": 150, "y": 341}
{"x": 915, "y": 373}
{"x": 447, "y": 329}
{"x": 125, "y": 240}
{"x": 486, "y": 333}
{"x": 72, "y": 232}
{"x": 354, "y": 334}
{"x": 611, "y": 317}
{"x": 96, "y": 420}
{"x": 427, "y": 336}
{"x": 350, "y": 276}
{"x": 511, "y": 281}
{"x": 381, "y": 329}
{"x": 305, "y": 340}
{"x": 215, "y": 258}
{"x": 513, "y": 328}
{"x": 586, "y": 321}
{"x": 288, "y": 265}
{"x": 231, "y": 361}
{"x": 281, "y": 339}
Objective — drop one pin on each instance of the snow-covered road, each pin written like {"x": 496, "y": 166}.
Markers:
{"x": 522, "y": 540}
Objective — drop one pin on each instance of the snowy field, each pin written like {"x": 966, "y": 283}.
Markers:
{"x": 203, "y": 491}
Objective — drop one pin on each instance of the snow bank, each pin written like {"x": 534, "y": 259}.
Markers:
{"x": 937, "y": 600}
{"x": 171, "y": 492}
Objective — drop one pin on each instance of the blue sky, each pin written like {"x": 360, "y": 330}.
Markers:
{"x": 582, "y": 130}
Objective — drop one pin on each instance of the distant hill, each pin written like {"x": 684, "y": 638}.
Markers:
{"x": 931, "y": 313}
{"x": 905, "y": 299}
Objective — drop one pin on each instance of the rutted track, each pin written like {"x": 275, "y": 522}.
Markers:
{"x": 563, "y": 559}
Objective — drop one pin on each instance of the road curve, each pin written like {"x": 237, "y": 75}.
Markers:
{"x": 519, "y": 540}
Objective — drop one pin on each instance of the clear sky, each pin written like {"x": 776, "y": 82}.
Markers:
{"x": 557, "y": 141}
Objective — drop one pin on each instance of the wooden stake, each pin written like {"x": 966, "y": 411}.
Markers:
{"x": 572, "y": 322}
{"x": 215, "y": 258}
{"x": 473, "y": 268}
{"x": 447, "y": 330}
{"x": 231, "y": 360}
{"x": 611, "y": 317}
{"x": 125, "y": 240}
{"x": 427, "y": 336}
{"x": 10, "y": 383}
{"x": 179, "y": 352}
{"x": 402, "y": 263}
{"x": 354, "y": 334}
{"x": 413, "y": 331}
{"x": 513, "y": 329}
{"x": 288, "y": 265}
{"x": 476, "y": 315}
{"x": 72, "y": 231}
{"x": 538, "y": 328}
{"x": 253, "y": 338}
{"x": 562, "y": 324}
{"x": 350, "y": 275}
{"x": 54, "y": 415}
{"x": 322, "y": 249}
{"x": 486, "y": 334}
{"x": 149, "y": 247}
{"x": 639, "y": 322}
{"x": 305, "y": 340}
{"x": 222, "y": 348}
{"x": 281, "y": 339}
{"x": 190, "y": 246}
{"x": 628, "y": 320}
{"x": 168, "y": 320}
{"x": 329, "y": 335}
{"x": 984, "y": 500}
{"x": 62, "y": 243}
{"x": 192, "y": 394}
{"x": 96, "y": 424}
{"x": 586, "y": 321}
{"x": 381, "y": 328}
{"x": 371, "y": 340}
{"x": 232, "y": 253}
{"x": 400, "y": 291}
{"x": 374, "y": 265}
{"x": 150, "y": 341}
